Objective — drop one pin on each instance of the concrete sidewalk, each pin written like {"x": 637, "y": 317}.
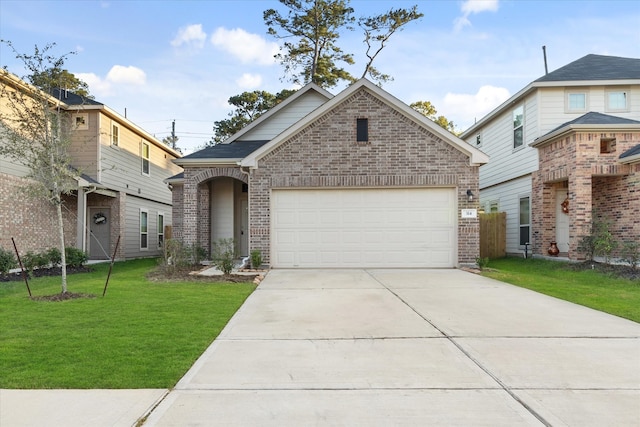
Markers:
{"x": 409, "y": 347}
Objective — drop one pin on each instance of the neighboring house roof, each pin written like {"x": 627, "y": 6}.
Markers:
{"x": 632, "y": 155}
{"x": 175, "y": 178}
{"x": 71, "y": 98}
{"x": 585, "y": 71}
{"x": 476, "y": 157}
{"x": 591, "y": 120}
{"x": 596, "y": 67}
{"x": 222, "y": 153}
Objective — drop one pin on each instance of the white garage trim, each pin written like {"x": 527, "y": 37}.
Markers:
{"x": 363, "y": 228}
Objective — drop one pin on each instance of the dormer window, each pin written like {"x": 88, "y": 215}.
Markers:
{"x": 362, "y": 130}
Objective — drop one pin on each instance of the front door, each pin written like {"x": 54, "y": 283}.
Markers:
{"x": 562, "y": 221}
{"x": 99, "y": 228}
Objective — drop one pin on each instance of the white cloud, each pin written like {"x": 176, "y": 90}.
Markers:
{"x": 126, "y": 75}
{"x": 469, "y": 106}
{"x": 470, "y": 7}
{"x": 116, "y": 77}
{"x": 247, "y": 47}
{"x": 249, "y": 81}
{"x": 97, "y": 86}
{"x": 190, "y": 35}
{"x": 477, "y": 6}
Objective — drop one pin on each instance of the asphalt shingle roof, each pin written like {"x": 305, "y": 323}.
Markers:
{"x": 71, "y": 98}
{"x": 592, "y": 118}
{"x": 631, "y": 152}
{"x": 235, "y": 150}
{"x": 596, "y": 67}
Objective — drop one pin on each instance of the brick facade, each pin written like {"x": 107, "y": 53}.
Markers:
{"x": 32, "y": 223}
{"x": 399, "y": 154}
{"x": 596, "y": 182}
{"x": 325, "y": 154}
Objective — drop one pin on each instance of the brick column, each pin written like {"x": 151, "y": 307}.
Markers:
{"x": 189, "y": 210}
{"x": 204, "y": 221}
{"x": 580, "y": 206}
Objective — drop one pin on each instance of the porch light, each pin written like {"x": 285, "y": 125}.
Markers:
{"x": 470, "y": 195}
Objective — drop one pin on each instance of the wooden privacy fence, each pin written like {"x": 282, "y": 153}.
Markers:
{"x": 493, "y": 235}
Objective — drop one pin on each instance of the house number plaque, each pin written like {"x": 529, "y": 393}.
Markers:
{"x": 469, "y": 213}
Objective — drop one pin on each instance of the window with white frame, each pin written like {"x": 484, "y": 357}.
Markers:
{"x": 160, "y": 230}
{"x": 144, "y": 229}
{"x": 525, "y": 220}
{"x": 115, "y": 134}
{"x": 518, "y": 127}
{"x": 493, "y": 206}
{"x": 145, "y": 154}
{"x": 576, "y": 102}
{"x": 617, "y": 100}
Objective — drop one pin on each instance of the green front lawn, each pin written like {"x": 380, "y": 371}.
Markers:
{"x": 142, "y": 334}
{"x": 617, "y": 296}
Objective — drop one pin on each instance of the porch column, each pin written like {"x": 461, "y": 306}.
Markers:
{"x": 204, "y": 227}
{"x": 580, "y": 205}
{"x": 190, "y": 210}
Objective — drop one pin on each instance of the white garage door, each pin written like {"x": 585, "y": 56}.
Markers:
{"x": 363, "y": 228}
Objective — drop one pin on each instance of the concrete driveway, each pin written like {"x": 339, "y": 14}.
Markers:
{"x": 409, "y": 347}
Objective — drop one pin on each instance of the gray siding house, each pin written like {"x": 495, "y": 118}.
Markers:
{"x": 121, "y": 190}
{"x": 510, "y": 134}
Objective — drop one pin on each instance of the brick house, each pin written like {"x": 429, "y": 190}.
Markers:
{"x": 517, "y": 134}
{"x": 120, "y": 193}
{"x": 355, "y": 180}
{"x": 588, "y": 165}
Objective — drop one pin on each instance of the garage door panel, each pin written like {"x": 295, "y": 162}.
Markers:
{"x": 364, "y": 228}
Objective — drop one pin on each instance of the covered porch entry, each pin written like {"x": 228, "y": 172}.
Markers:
{"x": 228, "y": 213}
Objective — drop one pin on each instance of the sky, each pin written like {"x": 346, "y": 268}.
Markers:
{"x": 163, "y": 61}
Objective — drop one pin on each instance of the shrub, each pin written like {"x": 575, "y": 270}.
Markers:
{"x": 256, "y": 258}
{"x": 75, "y": 257}
{"x": 482, "y": 262}
{"x": 198, "y": 254}
{"x": 599, "y": 240}
{"x": 54, "y": 257}
{"x": 631, "y": 253}
{"x": 223, "y": 255}
{"x": 175, "y": 256}
{"x": 34, "y": 260}
{"x": 7, "y": 261}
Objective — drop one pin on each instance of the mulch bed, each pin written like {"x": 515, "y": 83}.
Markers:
{"x": 62, "y": 297}
{"x": 188, "y": 274}
{"x": 43, "y": 272}
{"x": 616, "y": 270}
